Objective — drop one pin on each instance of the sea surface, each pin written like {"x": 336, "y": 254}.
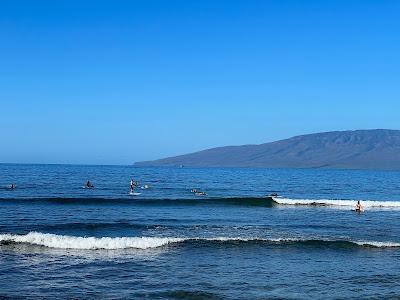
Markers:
{"x": 61, "y": 240}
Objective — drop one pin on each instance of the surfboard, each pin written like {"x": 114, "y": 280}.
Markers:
{"x": 134, "y": 194}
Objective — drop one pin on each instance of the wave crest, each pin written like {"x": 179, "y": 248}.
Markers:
{"x": 108, "y": 243}
{"x": 367, "y": 204}
{"x": 87, "y": 243}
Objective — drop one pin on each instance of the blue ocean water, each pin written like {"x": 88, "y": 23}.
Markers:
{"x": 58, "y": 239}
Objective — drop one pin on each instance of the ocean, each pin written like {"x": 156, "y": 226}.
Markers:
{"x": 61, "y": 240}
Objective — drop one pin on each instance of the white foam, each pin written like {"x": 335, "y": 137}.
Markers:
{"x": 108, "y": 243}
{"x": 72, "y": 242}
{"x": 367, "y": 204}
{"x": 378, "y": 244}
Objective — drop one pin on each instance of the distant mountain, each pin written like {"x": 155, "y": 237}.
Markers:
{"x": 358, "y": 149}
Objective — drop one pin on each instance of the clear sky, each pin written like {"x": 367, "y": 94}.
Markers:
{"x": 113, "y": 82}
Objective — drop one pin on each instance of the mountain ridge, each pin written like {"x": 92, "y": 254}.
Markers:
{"x": 351, "y": 149}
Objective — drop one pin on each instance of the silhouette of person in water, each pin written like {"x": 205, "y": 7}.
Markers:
{"x": 131, "y": 186}
{"x": 358, "y": 206}
{"x": 89, "y": 185}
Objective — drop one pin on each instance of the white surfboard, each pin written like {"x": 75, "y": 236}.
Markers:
{"x": 134, "y": 194}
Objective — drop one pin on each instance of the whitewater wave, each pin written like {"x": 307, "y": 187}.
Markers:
{"x": 379, "y": 244}
{"x": 87, "y": 243}
{"x": 108, "y": 243}
{"x": 268, "y": 201}
{"x": 367, "y": 204}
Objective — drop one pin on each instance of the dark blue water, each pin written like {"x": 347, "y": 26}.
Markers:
{"x": 58, "y": 239}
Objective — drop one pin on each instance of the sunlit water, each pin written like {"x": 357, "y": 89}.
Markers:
{"x": 58, "y": 239}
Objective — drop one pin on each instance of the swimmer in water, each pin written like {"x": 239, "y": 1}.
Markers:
{"x": 89, "y": 185}
{"x": 358, "y": 206}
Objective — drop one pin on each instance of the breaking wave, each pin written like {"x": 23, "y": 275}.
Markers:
{"x": 267, "y": 201}
{"x": 367, "y": 204}
{"x": 108, "y": 243}
{"x": 74, "y": 242}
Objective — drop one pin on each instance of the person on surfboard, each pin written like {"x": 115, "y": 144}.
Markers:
{"x": 131, "y": 186}
{"x": 89, "y": 185}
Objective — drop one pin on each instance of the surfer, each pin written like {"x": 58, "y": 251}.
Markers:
{"x": 358, "y": 207}
{"x": 131, "y": 186}
{"x": 193, "y": 191}
{"x": 200, "y": 193}
{"x": 89, "y": 185}
{"x": 12, "y": 186}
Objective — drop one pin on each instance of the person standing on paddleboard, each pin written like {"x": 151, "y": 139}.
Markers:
{"x": 131, "y": 185}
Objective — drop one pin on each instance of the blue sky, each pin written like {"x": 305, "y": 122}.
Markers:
{"x": 113, "y": 82}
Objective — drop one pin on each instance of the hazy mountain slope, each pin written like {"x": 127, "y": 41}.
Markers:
{"x": 359, "y": 149}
